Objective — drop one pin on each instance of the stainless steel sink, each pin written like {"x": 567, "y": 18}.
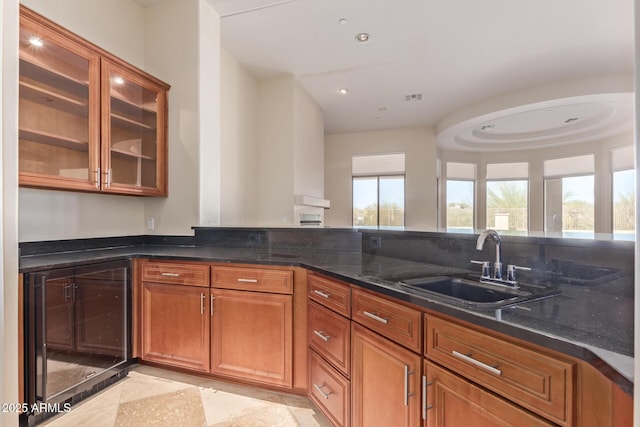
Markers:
{"x": 469, "y": 292}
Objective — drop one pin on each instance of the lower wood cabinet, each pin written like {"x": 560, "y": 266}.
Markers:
{"x": 534, "y": 380}
{"x": 451, "y": 401}
{"x": 251, "y": 336}
{"x": 330, "y": 390}
{"x": 175, "y": 325}
{"x": 385, "y": 381}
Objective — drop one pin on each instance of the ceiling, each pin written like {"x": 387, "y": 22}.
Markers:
{"x": 427, "y": 60}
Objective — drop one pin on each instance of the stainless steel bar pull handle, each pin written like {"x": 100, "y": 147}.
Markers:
{"x": 170, "y": 274}
{"x": 211, "y": 304}
{"x": 65, "y": 292}
{"x": 321, "y": 335}
{"x": 376, "y": 317}
{"x": 108, "y": 178}
{"x": 319, "y": 388}
{"x": 202, "y": 303}
{"x": 97, "y": 173}
{"x": 407, "y": 372}
{"x": 468, "y": 358}
{"x": 322, "y": 294}
{"x": 248, "y": 280}
{"x": 425, "y": 407}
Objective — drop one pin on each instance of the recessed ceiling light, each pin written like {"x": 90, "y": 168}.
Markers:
{"x": 36, "y": 41}
{"x": 342, "y": 21}
{"x": 343, "y": 91}
{"x": 363, "y": 37}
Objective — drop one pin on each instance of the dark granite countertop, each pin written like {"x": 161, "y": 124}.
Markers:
{"x": 588, "y": 322}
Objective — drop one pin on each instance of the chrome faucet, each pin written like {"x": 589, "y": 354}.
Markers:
{"x": 492, "y": 235}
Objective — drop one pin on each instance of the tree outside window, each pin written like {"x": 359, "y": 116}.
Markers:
{"x": 508, "y": 205}
{"x": 378, "y": 201}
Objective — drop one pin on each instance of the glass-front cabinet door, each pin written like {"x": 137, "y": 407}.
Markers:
{"x": 58, "y": 106}
{"x": 88, "y": 121}
{"x": 133, "y": 132}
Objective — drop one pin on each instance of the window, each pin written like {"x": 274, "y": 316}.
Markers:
{"x": 378, "y": 190}
{"x": 624, "y": 199}
{"x": 508, "y": 196}
{"x": 460, "y": 196}
{"x": 460, "y": 206}
{"x": 569, "y": 196}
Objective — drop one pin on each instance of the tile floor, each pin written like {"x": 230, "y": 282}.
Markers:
{"x": 156, "y": 397}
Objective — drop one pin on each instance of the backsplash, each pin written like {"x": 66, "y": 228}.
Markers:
{"x": 571, "y": 261}
{"x": 281, "y": 239}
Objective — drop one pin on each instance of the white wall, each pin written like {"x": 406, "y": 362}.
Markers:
{"x": 182, "y": 48}
{"x": 308, "y": 149}
{"x": 419, "y": 145}
{"x": 275, "y": 139}
{"x": 239, "y": 143}
{"x": 9, "y": 208}
{"x": 290, "y": 135}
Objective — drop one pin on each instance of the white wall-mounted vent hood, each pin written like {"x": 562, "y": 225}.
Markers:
{"x": 303, "y": 200}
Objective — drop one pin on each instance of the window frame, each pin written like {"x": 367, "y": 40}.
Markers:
{"x": 377, "y": 177}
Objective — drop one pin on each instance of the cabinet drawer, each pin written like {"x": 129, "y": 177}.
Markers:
{"x": 331, "y": 294}
{"x": 395, "y": 321}
{"x": 253, "y": 279}
{"x": 330, "y": 335}
{"x": 329, "y": 390}
{"x": 541, "y": 383}
{"x": 453, "y": 401}
{"x": 176, "y": 273}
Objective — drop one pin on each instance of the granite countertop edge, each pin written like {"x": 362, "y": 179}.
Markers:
{"x": 616, "y": 366}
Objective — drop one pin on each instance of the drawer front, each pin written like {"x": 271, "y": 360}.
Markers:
{"x": 176, "y": 273}
{"x": 330, "y": 335}
{"x": 252, "y": 279}
{"x": 453, "y": 401}
{"x": 541, "y": 383}
{"x": 331, "y": 294}
{"x": 395, "y": 321}
{"x": 329, "y": 390}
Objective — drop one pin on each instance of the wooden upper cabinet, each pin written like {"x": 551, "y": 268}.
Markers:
{"x": 88, "y": 121}
{"x": 134, "y": 148}
{"x": 59, "y": 108}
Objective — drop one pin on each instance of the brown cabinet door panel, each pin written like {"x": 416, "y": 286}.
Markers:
{"x": 537, "y": 381}
{"x": 390, "y": 319}
{"x": 252, "y": 279}
{"x": 175, "y": 325}
{"x": 252, "y": 336}
{"x": 330, "y": 335}
{"x": 176, "y": 273}
{"x": 453, "y": 402}
{"x": 385, "y": 381}
{"x": 330, "y": 293}
{"x": 329, "y": 390}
